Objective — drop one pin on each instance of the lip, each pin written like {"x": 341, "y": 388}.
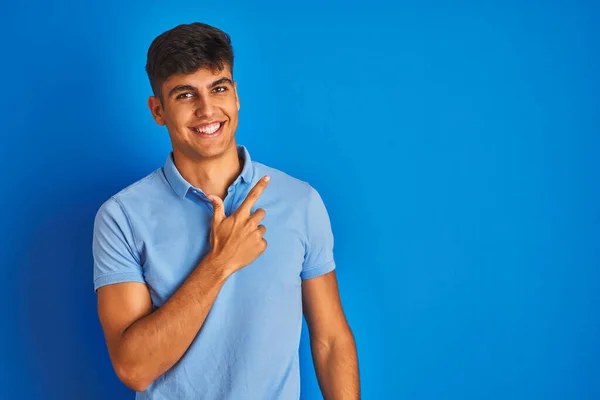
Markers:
{"x": 204, "y": 135}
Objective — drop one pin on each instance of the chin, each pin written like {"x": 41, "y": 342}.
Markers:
{"x": 215, "y": 150}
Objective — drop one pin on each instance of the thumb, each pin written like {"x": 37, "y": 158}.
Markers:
{"x": 218, "y": 209}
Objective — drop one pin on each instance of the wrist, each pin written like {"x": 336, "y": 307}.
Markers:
{"x": 217, "y": 265}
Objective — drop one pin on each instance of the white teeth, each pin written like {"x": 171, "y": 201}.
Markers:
{"x": 209, "y": 129}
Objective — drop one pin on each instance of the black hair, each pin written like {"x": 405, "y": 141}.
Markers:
{"x": 186, "y": 48}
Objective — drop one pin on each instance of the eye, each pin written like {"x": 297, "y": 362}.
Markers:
{"x": 220, "y": 89}
{"x": 185, "y": 95}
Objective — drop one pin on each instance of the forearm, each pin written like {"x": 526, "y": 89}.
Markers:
{"x": 336, "y": 365}
{"x": 153, "y": 344}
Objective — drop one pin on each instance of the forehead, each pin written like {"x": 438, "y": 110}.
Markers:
{"x": 198, "y": 78}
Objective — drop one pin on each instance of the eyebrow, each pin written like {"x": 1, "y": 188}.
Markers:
{"x": 183, "y": 88}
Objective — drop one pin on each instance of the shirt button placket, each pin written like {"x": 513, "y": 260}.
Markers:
{"x": 229, "y": 201}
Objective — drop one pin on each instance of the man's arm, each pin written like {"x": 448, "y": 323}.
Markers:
{"x": 143, "y": 344}
{"x": 331, "y": 340}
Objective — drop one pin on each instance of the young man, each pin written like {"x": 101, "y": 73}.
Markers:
{"x": 204, "y": 267}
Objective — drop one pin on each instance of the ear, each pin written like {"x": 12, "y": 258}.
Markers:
{"x": 237, "y": 99}
{"x": 156, "y": 108}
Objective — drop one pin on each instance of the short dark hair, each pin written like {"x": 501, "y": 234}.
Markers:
{"x": 186, "y": 48}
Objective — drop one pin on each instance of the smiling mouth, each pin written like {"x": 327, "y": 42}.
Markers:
{"x": 208, "y": 130}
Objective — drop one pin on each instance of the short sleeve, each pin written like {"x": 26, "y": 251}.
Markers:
{"x": 115, "y": 257}
{"x": 318, "y": 257}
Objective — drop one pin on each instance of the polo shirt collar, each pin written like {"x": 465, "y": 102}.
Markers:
{"x": 248, "y": 170}
{"x": 180, "y": 186}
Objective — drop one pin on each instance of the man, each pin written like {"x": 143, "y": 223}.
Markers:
{"x": 203, "y": 268}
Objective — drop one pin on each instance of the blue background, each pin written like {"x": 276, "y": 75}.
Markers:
{"x": 455, "y": 146}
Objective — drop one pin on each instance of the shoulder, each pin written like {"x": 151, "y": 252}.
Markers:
{"x": 151, "y": 187}
{"x": 283, "y": 184}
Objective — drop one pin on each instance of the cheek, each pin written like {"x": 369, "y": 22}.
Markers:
{"x": 179, "y": 117}
{"x": 232, "y": 111}
{"x": 233, "y": 122}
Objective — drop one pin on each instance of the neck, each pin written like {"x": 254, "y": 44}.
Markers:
{"x": 212, "y": 176}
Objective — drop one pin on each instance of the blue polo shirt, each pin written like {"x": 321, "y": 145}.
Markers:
{"x": 157, "y": 230}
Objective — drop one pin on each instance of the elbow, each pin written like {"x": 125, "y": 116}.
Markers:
{"x": 133, "y": 377}
{"x": 341, "y": 341}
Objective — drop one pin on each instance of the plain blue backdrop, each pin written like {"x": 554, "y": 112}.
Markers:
{"x": 455, "y": 146}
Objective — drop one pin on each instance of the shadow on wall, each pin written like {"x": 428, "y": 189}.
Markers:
{"x": 70, "y": 171}
{"x": 59, "y": 307}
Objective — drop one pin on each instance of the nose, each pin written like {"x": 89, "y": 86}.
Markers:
{"x": 204, "y": 107}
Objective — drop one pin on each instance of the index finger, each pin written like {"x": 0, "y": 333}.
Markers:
{"x": 253, "y": 195}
